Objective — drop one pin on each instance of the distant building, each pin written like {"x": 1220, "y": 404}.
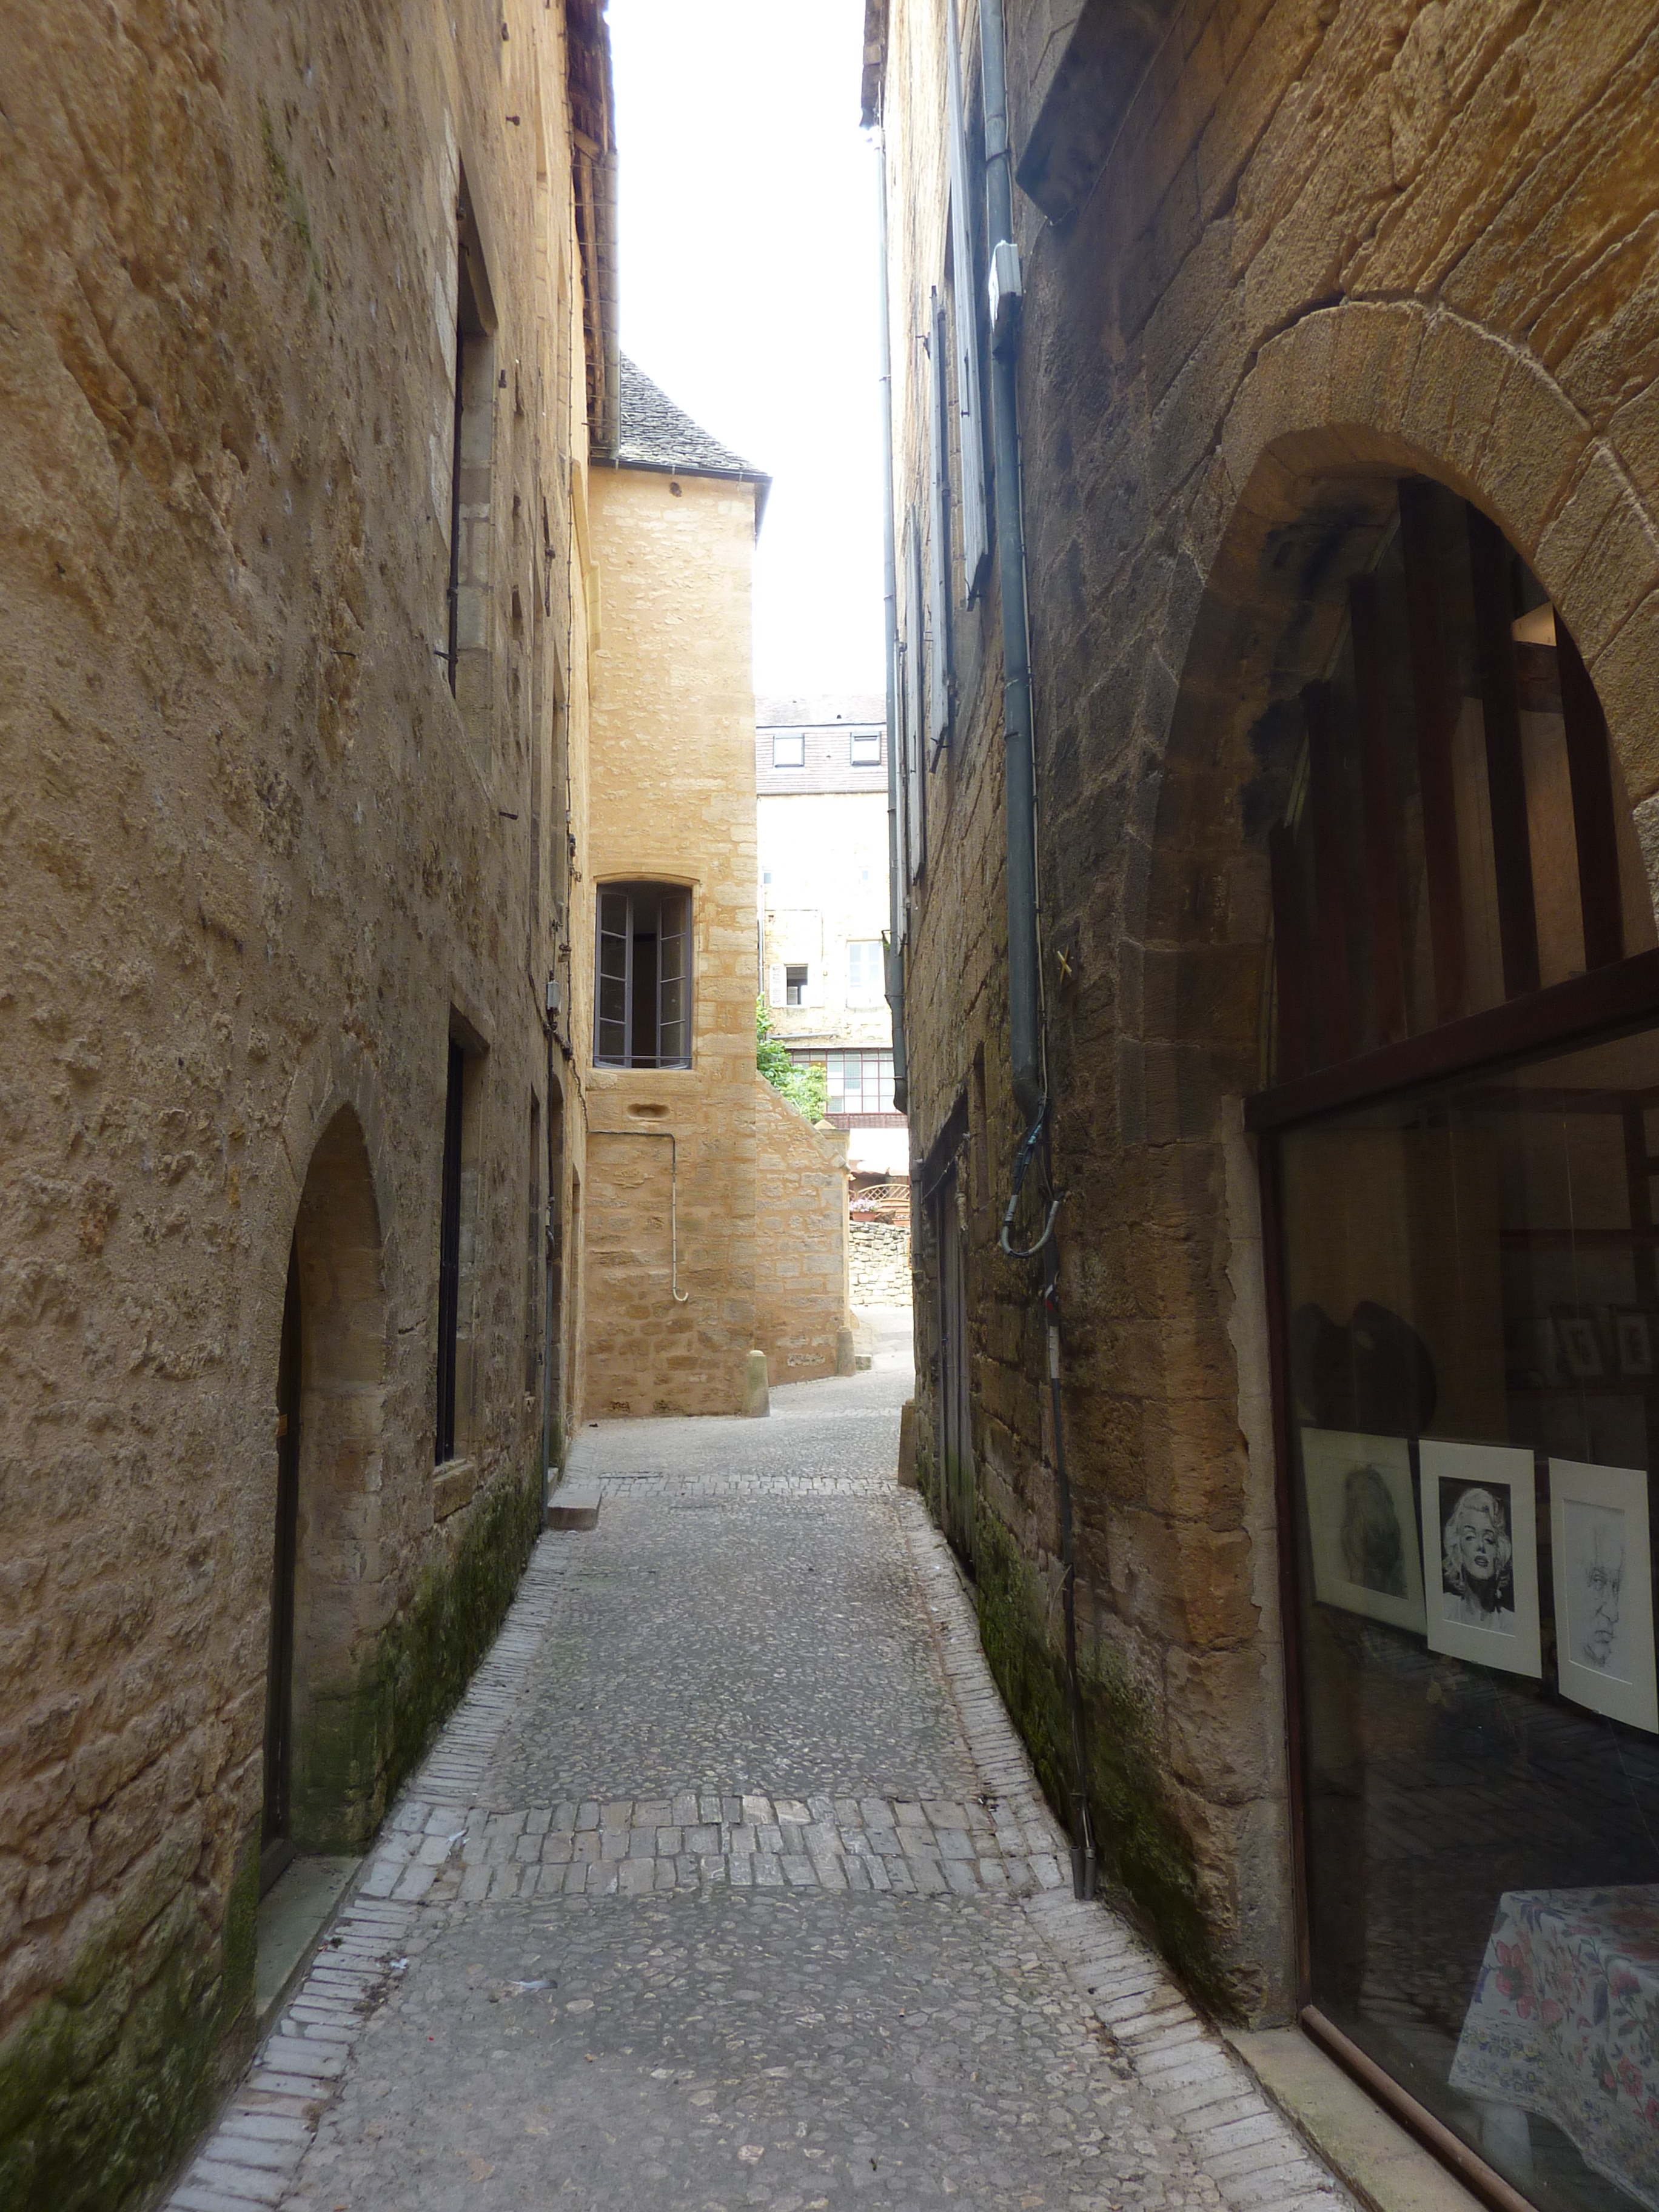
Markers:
{"x": 821, "y": 798}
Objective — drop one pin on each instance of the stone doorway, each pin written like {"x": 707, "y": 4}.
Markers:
{"x": 322, "y": 1719}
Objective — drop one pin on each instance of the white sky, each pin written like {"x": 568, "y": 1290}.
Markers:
{"x": 748, "y": 293}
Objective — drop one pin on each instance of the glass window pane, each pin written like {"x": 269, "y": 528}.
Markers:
{"x": 1472, "y": 1328}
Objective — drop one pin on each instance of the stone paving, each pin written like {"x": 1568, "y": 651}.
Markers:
{"x": 729, "y": 1884}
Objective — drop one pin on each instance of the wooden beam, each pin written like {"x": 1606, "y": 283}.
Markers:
{"x": 1381, "y": 809}
{"x": 1431, "y": 698}
{"x": 1325, "y": 810}
{"x": 1290, "y": 958}
{"x": 1595, "y": 827}
{"x": 1506, "y": 775}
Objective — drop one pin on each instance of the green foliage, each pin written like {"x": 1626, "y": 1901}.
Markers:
{"x": 806, "y": 1088}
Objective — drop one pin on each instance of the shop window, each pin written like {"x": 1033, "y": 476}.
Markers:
{"x": 643, "y": 994}
{"x": 1461, "y": 1165}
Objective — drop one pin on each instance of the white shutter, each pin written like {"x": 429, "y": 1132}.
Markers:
{"x": 776, "y": 989}
{"x": 939, "y": 548}
{"x": 975, "y": 547}
{"x": 916, "y": 737}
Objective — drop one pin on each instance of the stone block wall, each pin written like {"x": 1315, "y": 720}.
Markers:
{"x": 256, "y": 869}
{"x": 801, "y": 1239}
{"x": 1321, "y": 246}
{"x": 671, "y": 799}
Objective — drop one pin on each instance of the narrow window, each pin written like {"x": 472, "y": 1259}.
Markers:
{"x": 449, "y": 1255}
{"x": 532, "y": 1281}
{"x": 643, "y": 990}
{"x": 864, "y": 977}
{"x": 794, "y": 986}
{"x": 789, "y": 748}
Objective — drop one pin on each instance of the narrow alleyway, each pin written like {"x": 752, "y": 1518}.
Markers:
{"x": 728, "y": 1886}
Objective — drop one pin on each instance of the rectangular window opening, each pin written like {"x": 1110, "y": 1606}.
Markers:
{"x": 789, "y": 748}
{"x": 643, "y": 1014}
{"x": 794, "y": 986}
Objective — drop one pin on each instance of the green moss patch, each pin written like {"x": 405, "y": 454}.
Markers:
{"x": 357, "y": 1746}
{"x": 1140, "y": 1842}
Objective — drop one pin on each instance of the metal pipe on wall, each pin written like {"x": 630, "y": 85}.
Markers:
{"x": 1024, "y": 1008}
{"x": 895, "y": 963}
{"x": 1026, "y": 1053}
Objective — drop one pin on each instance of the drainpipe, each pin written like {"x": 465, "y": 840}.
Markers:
{"x": 1025, "y": 1024}
{"x": 895, "y": 858}
{"x": 1024, "y": 1014}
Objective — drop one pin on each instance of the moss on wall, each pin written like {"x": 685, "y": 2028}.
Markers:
{"x": 357, "y": 1745}
{"x": 106, "y": 2083}
{"x": 1142, "y": 1845}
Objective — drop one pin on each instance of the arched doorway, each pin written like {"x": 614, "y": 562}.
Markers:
{"x": 329, "y": 1602}
{"x": 1444, "y": 1020}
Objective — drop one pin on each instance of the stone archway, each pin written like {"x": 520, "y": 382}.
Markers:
{"x": 337, "y": 1272}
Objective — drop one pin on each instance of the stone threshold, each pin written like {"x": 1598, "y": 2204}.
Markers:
{"x": 294, "y": 1914}
{"x": 1386, "y": 2168}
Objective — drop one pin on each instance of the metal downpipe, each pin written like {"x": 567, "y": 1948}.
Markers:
{"x": 1024, "y": 1008}
{"x": 1027, "y": 1057}
{"x": 896, "y": 858}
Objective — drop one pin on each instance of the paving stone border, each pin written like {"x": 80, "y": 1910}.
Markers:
{"x": 742, "y": 1485}
{"x": 1241, "y": 2139}
{"x": 692, "y": 1838}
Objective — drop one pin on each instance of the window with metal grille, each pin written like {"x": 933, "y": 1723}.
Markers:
{"x": 643, "y": 989}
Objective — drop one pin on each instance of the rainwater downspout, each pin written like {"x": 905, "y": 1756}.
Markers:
{"x": 664, "y": 1136}
{"x": 1026, "y": 1040}
{"x": 896, "y": 858}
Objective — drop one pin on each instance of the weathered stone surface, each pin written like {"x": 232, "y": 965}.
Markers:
{"x": 1331, "y": 243}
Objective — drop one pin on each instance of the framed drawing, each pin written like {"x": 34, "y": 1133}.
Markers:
{"x": 1480, "y": 1553}
{"x": 1603, "y": 1590}
{"x": 1362, "y": 1513}
{"x": 1581, "y": 1348}
{"x": 1632, "y": 1341}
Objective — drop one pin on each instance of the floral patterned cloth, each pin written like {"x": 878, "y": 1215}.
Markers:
{"x": 1564, "y": 2022}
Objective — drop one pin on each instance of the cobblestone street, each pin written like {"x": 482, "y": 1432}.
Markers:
{"x": 728, "y": 1885}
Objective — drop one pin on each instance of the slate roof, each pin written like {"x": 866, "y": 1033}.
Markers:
{"x": 656, "y": 434}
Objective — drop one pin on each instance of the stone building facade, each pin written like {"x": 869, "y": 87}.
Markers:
{"x": 308, "y": 318}
{"x": 687, "y": 1148}
{"x": 821, "y": 785}
{"x": 1325, "y": 316}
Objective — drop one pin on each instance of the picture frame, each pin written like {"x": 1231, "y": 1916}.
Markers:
{"x": 1362, "y": 1515}
{"x": 1480, "y": 1554}
{"x": 1632, "y": 1341}
{"x": 1581, "y": 1346}
{"x": 1603, "y": 1571}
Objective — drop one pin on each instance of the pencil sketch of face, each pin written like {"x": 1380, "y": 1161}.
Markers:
{"x": 1373, "y": 1548}
{"x": 1476, "y": 1552}
{"x": 1596, "y": 1575}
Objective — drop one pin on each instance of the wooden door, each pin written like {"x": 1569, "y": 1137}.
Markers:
{"x": 276, "y": 1848}
{"x": 955, "y": 1425}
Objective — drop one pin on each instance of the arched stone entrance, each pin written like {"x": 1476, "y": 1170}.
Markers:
{"x": 322, "y": 1745}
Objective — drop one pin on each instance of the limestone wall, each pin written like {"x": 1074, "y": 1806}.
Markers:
{"x": 801, "y": 1239}
{"x": 1318, "y": 242}
{"x": 671, "y": 799}
{"x": 257, "y": 866}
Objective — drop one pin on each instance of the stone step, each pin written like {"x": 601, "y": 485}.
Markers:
{"x": 573, "y": 1505}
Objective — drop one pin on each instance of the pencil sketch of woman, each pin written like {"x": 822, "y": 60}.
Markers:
{"x": 1373, "y": 1548}
{"x": 1477, "y": 1558}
